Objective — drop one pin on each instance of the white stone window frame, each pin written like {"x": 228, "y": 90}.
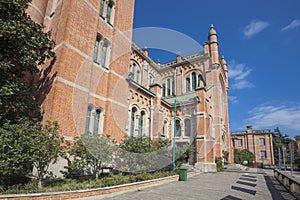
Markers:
{"x": 92, "y": 116}
{"x": 166, "y": 87}
{"x": 98, "y": 59}
{"x": 104, "y": 16}
{"x": 133, "y": 130}
{"x": 135, "y": 69}
{"x": 189, "y": 75}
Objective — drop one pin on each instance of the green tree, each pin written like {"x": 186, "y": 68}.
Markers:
{"x": 243, "y": 155}
{"x": 27, "y": 144}
{"x": 280, "y": 140}
{"x": 45, "y": 147}
{"x": 90, "y": 152}
{"x": 140, "y": 154}
{"x": 23, "y": 46}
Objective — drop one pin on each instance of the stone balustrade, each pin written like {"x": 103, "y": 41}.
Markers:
{"x": 289, "y": 182}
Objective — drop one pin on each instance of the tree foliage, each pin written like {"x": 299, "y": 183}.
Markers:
{"x": 90, "y": 153}
{"x": 23, "y": 46}
{"x": 243, "y": 155}
{"x": 27, "y": 144}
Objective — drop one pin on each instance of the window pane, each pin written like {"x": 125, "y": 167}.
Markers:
{"x": 187, "y": 128}
{"x": 132, "y": 122}
{"x": 103, "y": 55}
{"x": 194, "y": 81}
{"x": 164, "y": 90}
{"x": 88, "y": 117}
{"x": 96, "y": 122}
{"x": 137, "y": 77}
{"x": 108, "y": 13}
{"x": 102, "y": 7}
{"x": 96, "y": 49}
{"x": 178, "y": 129}
{"x": 168, "y": 87}
{"x": 187, "y": 84}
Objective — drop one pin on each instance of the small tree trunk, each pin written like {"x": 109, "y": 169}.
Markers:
{"x": 40, "y": 177}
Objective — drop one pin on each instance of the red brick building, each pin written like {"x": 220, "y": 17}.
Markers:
{"x": 259, "y": 142}
{"x": 103, "y": 83}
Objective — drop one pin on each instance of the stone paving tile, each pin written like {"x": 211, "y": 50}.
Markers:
{"x": 219, "y": 186}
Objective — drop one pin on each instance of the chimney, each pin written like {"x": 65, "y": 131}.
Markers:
{"x": 249, "y": 129}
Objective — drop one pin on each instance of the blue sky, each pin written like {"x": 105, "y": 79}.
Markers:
{"x": 260, "y": 41}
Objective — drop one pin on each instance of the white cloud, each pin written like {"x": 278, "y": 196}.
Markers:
{"x": 233, "y": 99}
{"x": 271, "y": 116}
{"x": 255, "y": 27}
{"x": 294, "y": 24}
{"x": 237, "y": 74}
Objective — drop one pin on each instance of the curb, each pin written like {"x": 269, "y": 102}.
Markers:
{"x": 95, "y": 191}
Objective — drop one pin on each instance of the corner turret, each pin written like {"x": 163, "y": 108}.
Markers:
{"x": 213, "y": 45}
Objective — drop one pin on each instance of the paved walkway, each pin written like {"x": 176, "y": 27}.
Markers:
{"x": 221, "y": 186}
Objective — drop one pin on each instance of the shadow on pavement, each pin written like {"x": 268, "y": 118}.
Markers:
{"x": 277, "y": 191}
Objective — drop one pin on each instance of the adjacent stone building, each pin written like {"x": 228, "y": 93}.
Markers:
{"x": 259, "y": 142}
{"x": 103, "y": 83}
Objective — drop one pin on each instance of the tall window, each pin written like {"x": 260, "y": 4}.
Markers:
{"x": 262, "y": 142}
{"x": 240, "y": 143}
{"x": 188, "y": 84}
{"x": 263, "y": 154}
{"x": 137, "y": 76}
{"x": 101, "y": 50}
{"x": 132, "y": 121}
{"x": 96, "y": 121}
{"x": 88, "y": 118}
{"x": 142, "y": 124}
{"x": 102, "y": 7}
{"x": 97, "y": 45}
{"x": 135, "y": 70}
{"x": 165, "y": 128}
{"x": 194, "y": 81}
{"x": 103, "y": 54}
{"x": 187, "y": 127}
{"x": 173, "y": 87}
{"x": 168, "y": 87}
{"x": 178, "y": 128}
{"x": 164, "y": 90}
{"x": 108, "y": 11}
{"x": 200, "y": 81}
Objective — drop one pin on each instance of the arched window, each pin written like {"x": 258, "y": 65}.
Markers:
{"x": 173, "y": 87}
{"x": 168, "y": 87}
{"x": 200, "y": 81}
{"x": 101, "y": 50}
{"x": 88, "y": 118}
{"x": 102, "y": 7}
{"x": 194, "y": 81}
{"x": 135, "y": 72}
{"x": 108, "y": 12}
{"x": 188, "y": 84}
{"x": 137, "y": 76}
{"x": 142, "y": 124}
{"x": 178, "y": 128}
{"x": 164, "y": 90}
{"x": 187, "y": 127}
{"x": 165, "y": 128}
{"x": 94, "y": 120}
{"x": 132, "y": 121}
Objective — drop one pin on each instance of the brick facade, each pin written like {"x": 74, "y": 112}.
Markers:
{"x": 123, "y": 92}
